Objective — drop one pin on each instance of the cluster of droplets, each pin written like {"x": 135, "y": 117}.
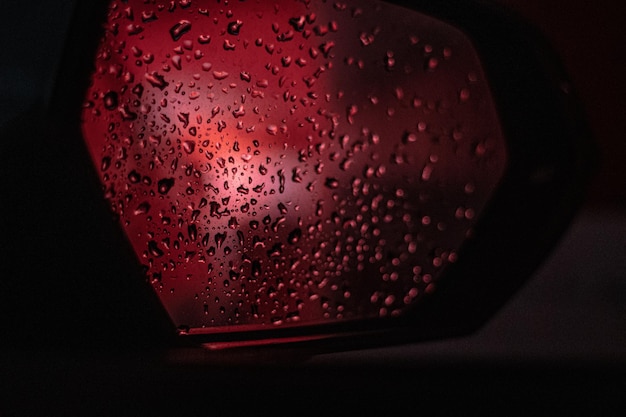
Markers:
{"x": 290, "y": 162}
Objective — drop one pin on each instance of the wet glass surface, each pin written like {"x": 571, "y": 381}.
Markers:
{"x": 290, "y": 162}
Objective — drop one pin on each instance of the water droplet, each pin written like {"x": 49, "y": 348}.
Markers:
{"x": 351, "y": 111}
{"x": 366, "y": 39}
{"x": 164, "y": 185}
{"x": 154, "y": 250}
{"x": 138, "y": 90}
{"x": 110, "y": 100}
{"x": 219, "y": 239}
{"x": 234, "y": 27}
{"x": 464, "y": 95}
{"x": 390, "y": 61}
{"x": 156, "y": 80}
{"x": 134, "y": 177}
{"x": 272, "y": 129}
{"x": 326, "y": 48}
{"x": 345, "y": 164}
{"x": 192, "y": 231}
{"x": 142, "y": 208}
{"x": 189, "y": 146}
{"x": 298, "y": 23}
{"x": 332, "y": 183}
{"x": 126, "y": 113}
{"x": 148, "y": 16}
{"x": 409, "y": 137}
{"x": 239, "y": 112}
{"x": 106, "y": 163}
{"x": 256, "y": 268}
{"x": 281, "y": 181}
{"x": 220, "y": 75}
{"x": 294, "y": 236}
{"x": 177, "y": 62}
{"x": 431, "y": 64}
{"x": 179, "y": 29}
{"x": 133, "y": 29}
{"x": 228, "y": 45}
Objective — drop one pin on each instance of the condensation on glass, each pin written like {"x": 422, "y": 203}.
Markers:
{"x": 290, "y": 162}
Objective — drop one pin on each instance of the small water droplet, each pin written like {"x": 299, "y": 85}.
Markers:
{"x": 431, "y": 64}
{"x": 106, "y": 163}
{"x": 154, "y": 250}
{"x": 192, "y": 230}
{"x": 110, "y": 100}
{"x": 234, "y": 27}
{"x": 239, "y": 112}
{"x": 189, "y": 146}
{"x": 220, "y": 75}
{"x": 179, "y": 29}
{"x": 366, "y": 39}
{"x": 298, "y": 23}
{"x": 164, "y": 185}
{"x": 332, "y": 183}
{"x": 134, "y": 177}
{"x": 228, "y": 45}
{"x": 464, "y": 95}
{"x": 272, "y": 130}
{"x": 133, "y": 29}
{"x": 142, "y": 208}
{"x": 126, "y": 113}
{"x": 294, "y": 236}
{"x": 156, "y": 80}
{"x": 390, "y": 61}
{"x": 219, "y": 239}
{"x": 256, "y": 268}
{"x": 148, "y": 16}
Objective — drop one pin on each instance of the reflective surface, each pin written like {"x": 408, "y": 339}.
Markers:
{"x": 290, "y": 163}
{"x": 558, "y": 344}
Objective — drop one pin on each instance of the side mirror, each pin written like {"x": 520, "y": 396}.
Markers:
{"x": 343, "y": 174}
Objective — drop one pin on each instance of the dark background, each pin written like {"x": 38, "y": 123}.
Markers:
{"x": 561, "y": 340}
